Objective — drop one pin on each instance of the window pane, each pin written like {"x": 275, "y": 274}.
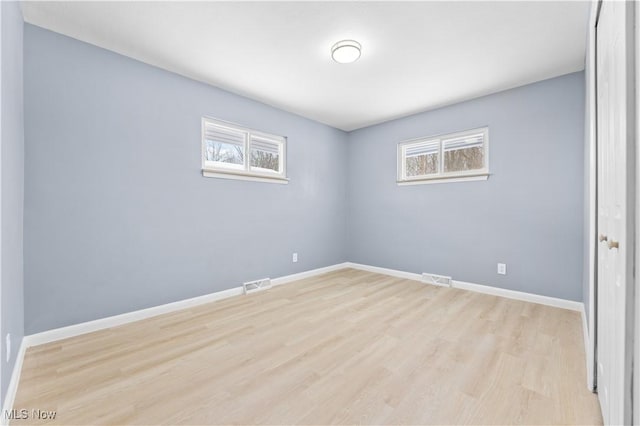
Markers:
{"x": 241, "y": 153}
{"x": 224, "y": 146}
{"x": 223, "y": 152}
{"x": 464, "y": 154}
{"x": 422, "y": 158}
{"x": 265, "y": 155}
{"x": 420, "y": 165}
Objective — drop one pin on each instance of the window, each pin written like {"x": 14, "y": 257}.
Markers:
{"x": 234, "y": 152}
{"x": 456, "y": 156}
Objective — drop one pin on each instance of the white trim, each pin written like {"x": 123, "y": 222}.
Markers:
{"x": 636, "y": 369}
{"x": 243, "y": 176}
{"x": 590, "y": 98}
{"x": 441, "y": 176}
{"x": 631, "y": 356}
{"x": 478, "y": 288}
{"x": 385, "y": 271}
{"x": 483, "y": 176}
{"x": 307, "y": 274}
{"x": 520, "y": 295}
{"x": 587, "y": 344}
{"x": 12, "y": 389}
{"x": 244, "y": 172}
{"x": 116, "y": 320}
{"x": 2, "y": 343}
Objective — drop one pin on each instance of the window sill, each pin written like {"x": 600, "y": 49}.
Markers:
{"x": 483, "y": 176}
{"x": 244, "y": 176}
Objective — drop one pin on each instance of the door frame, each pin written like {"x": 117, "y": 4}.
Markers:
{"x": 636, "y": 332}
{"x": 632, "y": 361}
{"x": 592, "y": 216}
{"x": 2, "y": 344}
{"x": 632, "y": 355}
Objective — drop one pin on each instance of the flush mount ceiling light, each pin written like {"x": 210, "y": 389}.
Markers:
{"x": 346, "y": 51}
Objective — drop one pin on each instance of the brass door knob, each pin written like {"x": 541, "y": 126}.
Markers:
{"x": 602, "y": 238}
{"x": 613, "y": 244}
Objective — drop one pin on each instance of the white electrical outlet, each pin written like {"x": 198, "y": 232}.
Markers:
{"x": 295, "y": 257}
{"x": 7, "y": 340}
{"x": 502, "y": 268}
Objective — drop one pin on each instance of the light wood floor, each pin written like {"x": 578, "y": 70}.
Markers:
{"x": 344, "y": 347}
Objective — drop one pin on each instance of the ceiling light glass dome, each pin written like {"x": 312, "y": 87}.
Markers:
{"x": 346, "y": 51}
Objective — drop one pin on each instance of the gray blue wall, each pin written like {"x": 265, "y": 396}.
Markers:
{"x": 119, "y": 218}
{"x": 117, "y": 214}
{"x": 529, "y": 213}
{"x": 12, "y": 185}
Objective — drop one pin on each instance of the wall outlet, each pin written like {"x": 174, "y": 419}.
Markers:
{"x": 7, "y": 341}
{"x": 294, "y": 257}
{"x": 502, "y": 268}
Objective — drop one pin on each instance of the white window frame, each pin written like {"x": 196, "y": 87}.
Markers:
{"x": 244, "y": 172}
{"x": 478, "y": 174}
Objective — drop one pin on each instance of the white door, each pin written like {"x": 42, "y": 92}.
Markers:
{"x": 614, "y": 172}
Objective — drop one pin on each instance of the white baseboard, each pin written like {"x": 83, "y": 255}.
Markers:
{"x": 116, "y": 320}
{"x": 384, "y": 271}
{"x": 478, "y": 288}
{"x": 12, "y": 389}
{"x": 307, "y": 274}
{"x": 520, "y": 295}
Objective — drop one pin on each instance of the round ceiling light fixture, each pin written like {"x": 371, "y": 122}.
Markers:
{"x": 346, "y": 51}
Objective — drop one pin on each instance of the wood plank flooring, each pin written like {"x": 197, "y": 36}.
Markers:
{"x": 341, "y": 348}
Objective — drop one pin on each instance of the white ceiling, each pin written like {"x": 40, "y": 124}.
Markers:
{"x": 415, "y": 55}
